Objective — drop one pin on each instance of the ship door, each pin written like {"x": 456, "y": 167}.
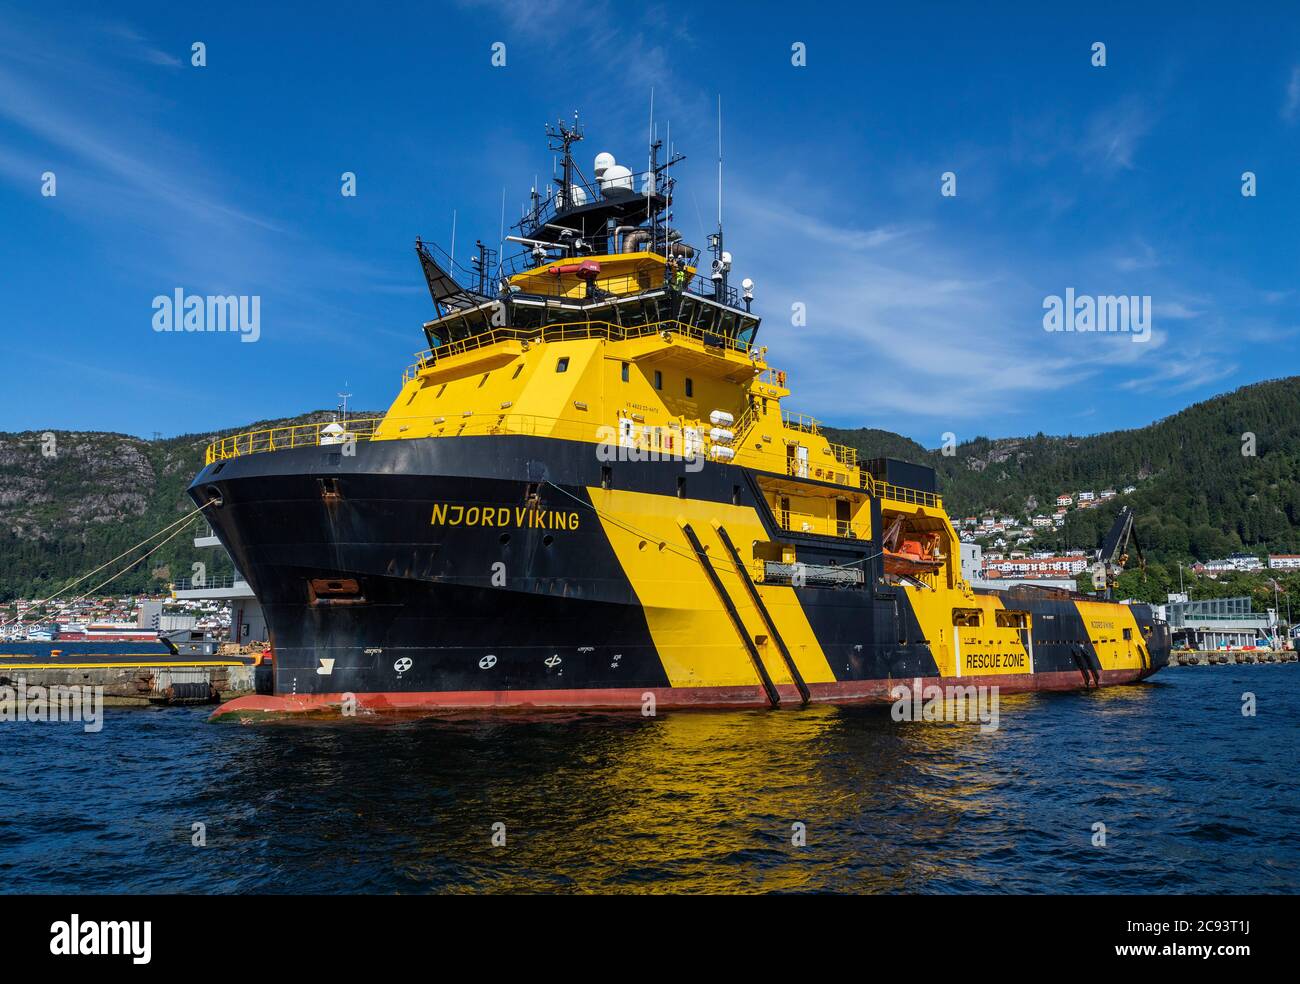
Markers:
{"x": 843, "y": 526}
{"x": 626, "y": 432}
{"x": 796, "y": 460}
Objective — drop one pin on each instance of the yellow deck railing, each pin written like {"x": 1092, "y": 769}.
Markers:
{"x": 899, "y": 493}
{"x": 844, "y": 454}
{"x": 801, "y": 522}
{"x": 666, "y": 441}
{"x": 294, "y": 436}
{"x": 801, "y": 422}
{"x": 569, "y": 332}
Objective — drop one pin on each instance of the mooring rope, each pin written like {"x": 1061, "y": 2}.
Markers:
{"x": 41, "y": 604}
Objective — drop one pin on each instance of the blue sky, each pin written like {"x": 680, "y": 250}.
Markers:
{"x": 924, "y": 312}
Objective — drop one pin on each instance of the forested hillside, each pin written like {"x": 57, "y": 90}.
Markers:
{"x": 1198, "y": 495}
{"x": 73, "y": 502}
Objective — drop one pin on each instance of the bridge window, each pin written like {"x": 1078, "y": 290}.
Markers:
{"x": 627, "y": 372}
{"x": 690, "y": 387}
{"x": 659, "y": 380}
{"x": 562, "y": 365}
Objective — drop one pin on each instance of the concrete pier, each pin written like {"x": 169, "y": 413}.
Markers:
{"x": 128, "y": 686}
{"x": 1220, "y": 657}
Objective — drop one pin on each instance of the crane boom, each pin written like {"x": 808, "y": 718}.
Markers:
{"x": 1108, "y": 561}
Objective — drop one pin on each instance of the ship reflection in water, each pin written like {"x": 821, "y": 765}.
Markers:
{"x": 1195, "y": 798}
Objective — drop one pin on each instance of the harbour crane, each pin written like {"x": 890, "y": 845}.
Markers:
{"x": 1108, "y": 562}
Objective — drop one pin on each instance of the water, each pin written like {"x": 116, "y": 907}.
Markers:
{"x": 1195, "y": 798}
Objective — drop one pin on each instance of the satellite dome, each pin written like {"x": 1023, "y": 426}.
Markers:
{"x": 604, "y": 161}
{"x": 616, "y": 178}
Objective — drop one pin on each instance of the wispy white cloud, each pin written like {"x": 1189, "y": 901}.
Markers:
{"x": 1188, "y": 370}
{"x": 897, "y": 323}
{"x": 120, "y": 171}
{"x": 1112, "y": 135}
{"x": 136, "y": 45}
{"x": 1291, "y": 101}
{"x": 1142, "y": 257}
{"x": 1175, "y": 311}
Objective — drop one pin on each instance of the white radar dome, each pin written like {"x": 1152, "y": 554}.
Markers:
{"x": 604, "y": 161}
{"x": 616, "y": 176}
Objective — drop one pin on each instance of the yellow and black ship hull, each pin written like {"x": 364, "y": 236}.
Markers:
{"x": 423, "y": 575}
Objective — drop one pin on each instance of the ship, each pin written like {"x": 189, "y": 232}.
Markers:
{"x": 589, "y": 493}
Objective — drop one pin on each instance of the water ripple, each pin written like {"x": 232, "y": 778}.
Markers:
{"x": 1194, "y": 798}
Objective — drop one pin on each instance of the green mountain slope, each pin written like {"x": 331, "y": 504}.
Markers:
{"x": 76, "y": 502}
{"x": 1198, "y": 496}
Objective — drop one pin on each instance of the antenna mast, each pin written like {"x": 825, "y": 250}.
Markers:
{"x": 562, "y": 138}
{"x": 720, "y": 264}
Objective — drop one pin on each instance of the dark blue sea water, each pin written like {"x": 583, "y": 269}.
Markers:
{"x": 1195, "y": 798}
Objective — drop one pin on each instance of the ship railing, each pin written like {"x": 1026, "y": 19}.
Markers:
{"x": 592, "y": 191}
{"x": 800, "y": 422}
{"x": 563, "y": 332}
{"x": 469, "y": 278}
{"x": 664, "y": 440}
{"x": 832, "y": 464}
{"x": 212, "y": 581}
{"x": 844, "y": 454}
{"x": 658, "y": 442}
{"x": 525, "y": 259}
{"x": 745, "y": 422}
{"x": 802, "y": 522}
{"x": 569, "y": 286}
{"x": 292, "y": 436}
{"x": 899, "y": 493}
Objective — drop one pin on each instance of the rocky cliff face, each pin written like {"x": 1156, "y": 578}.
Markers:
{"x": 52, "y": 483}
{"x": 71, "y": 500}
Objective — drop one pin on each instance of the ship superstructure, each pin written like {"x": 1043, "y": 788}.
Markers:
{"x": 589, "y": 492}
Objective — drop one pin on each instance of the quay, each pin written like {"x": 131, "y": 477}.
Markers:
{"x": 132, "y": 673}
{"x": 1231, "y": 657}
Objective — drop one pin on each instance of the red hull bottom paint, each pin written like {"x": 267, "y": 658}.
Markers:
{"x": 849, "y": 692}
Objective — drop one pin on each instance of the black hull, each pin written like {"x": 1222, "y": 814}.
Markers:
{"x": 363, "y": 594}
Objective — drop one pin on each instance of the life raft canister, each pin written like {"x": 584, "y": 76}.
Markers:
{"x": 586, "y": 270}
